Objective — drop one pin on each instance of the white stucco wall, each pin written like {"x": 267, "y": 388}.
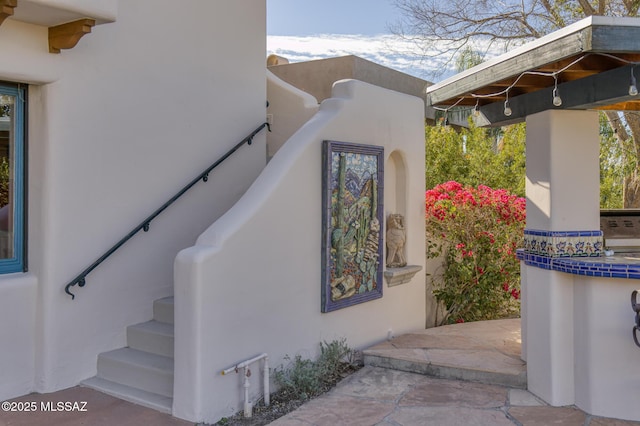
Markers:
{"x": 289, "y": 108}
{"x": 577, "y": 329}
{"x": 116, "y": 126}
{"x": 561, "y": 159}
{"x": 18, "y": 315}
{"x": 252, "y": 282}
{"x": 56, "y": 12}
{"x": 606, "y": 357}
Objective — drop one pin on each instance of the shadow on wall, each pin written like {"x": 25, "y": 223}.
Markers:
{"x": 289, "y": 108}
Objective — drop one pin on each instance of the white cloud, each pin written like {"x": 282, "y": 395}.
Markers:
{"x": 385, "y": 49}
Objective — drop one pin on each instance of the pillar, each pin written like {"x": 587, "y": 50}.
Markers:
{"x": 562, "y": 189}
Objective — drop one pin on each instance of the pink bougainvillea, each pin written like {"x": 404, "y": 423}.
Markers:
{"x": 477, "y": 231}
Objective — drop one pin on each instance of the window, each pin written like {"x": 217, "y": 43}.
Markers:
{"x": 12, "y": 170}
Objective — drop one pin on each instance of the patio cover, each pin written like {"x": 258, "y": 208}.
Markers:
{"x": 590, "y": 64}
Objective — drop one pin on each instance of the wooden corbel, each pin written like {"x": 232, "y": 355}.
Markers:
{"x": 67, "y": 35}
{"x": 6, "y": 9}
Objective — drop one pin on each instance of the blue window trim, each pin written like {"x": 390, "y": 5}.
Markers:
{"x": 16, "y": 263}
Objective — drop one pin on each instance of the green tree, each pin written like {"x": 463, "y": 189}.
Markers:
{"x": 468, "y": 58}
{"x": 617, "y": 160}
{"x": 476, "y": 156}
{"x": 452, "y": 27}
{"x": 511, "y": 158}
{"x": 445, "y": 156}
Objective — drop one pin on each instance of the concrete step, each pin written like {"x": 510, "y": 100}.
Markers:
{"x": 137, "y": 396}
{"x": 151, "y": 336}
{"x": 486, "y": 352}
{"x": 163, "y": 310}
{"x": 143, "y": 370}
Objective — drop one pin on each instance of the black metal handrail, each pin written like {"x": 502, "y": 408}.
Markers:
{"x": 80, "y": 280}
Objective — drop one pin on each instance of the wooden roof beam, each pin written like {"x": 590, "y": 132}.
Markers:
{"x": 595, "y": 92}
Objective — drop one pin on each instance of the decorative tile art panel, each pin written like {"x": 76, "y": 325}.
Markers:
{"x": 352, "y": 216}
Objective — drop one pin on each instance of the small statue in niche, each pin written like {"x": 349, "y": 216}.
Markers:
{"x": 395, "y": 241}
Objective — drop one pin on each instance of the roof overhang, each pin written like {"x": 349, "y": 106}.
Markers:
{"x": 590, "y": 63}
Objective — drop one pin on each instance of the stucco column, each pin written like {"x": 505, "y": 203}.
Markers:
{"x": 563, "y": 182}
{"x": 562, "y": 190}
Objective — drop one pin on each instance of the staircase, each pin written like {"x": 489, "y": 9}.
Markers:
{"x": 142, "y": 372}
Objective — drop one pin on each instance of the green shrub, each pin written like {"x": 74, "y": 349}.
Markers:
{"x": 305, "y": 379}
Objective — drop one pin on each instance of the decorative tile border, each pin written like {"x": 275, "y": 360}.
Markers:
{"x": 564, "y": 244}
{"x": 606, "y": 267}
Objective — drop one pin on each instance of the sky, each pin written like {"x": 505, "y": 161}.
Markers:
{"x": 303, "y": 30}
{"x": 313, "y": 17}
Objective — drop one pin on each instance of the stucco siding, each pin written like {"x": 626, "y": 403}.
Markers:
{"x": 252, "y": 282}
{"x": 117, "y": 125}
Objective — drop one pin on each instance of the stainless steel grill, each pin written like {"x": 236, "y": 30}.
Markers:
{"x": 621, "y": 230}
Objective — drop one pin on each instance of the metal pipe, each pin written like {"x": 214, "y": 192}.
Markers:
{"x": 244, "y": 365}
{"x": 265, "y": 379}
{"x": 247, "y": 403}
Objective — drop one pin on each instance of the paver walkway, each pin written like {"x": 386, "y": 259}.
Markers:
{"x": 470, "y": 374}
{"x": 483, "y": 351}
{"x": 381, "y": 396}
{"x": 429, "y": 390}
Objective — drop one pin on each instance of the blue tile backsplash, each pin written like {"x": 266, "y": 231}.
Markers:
{"x": 563, "y": 243}
{"x": 575, "y": 252}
